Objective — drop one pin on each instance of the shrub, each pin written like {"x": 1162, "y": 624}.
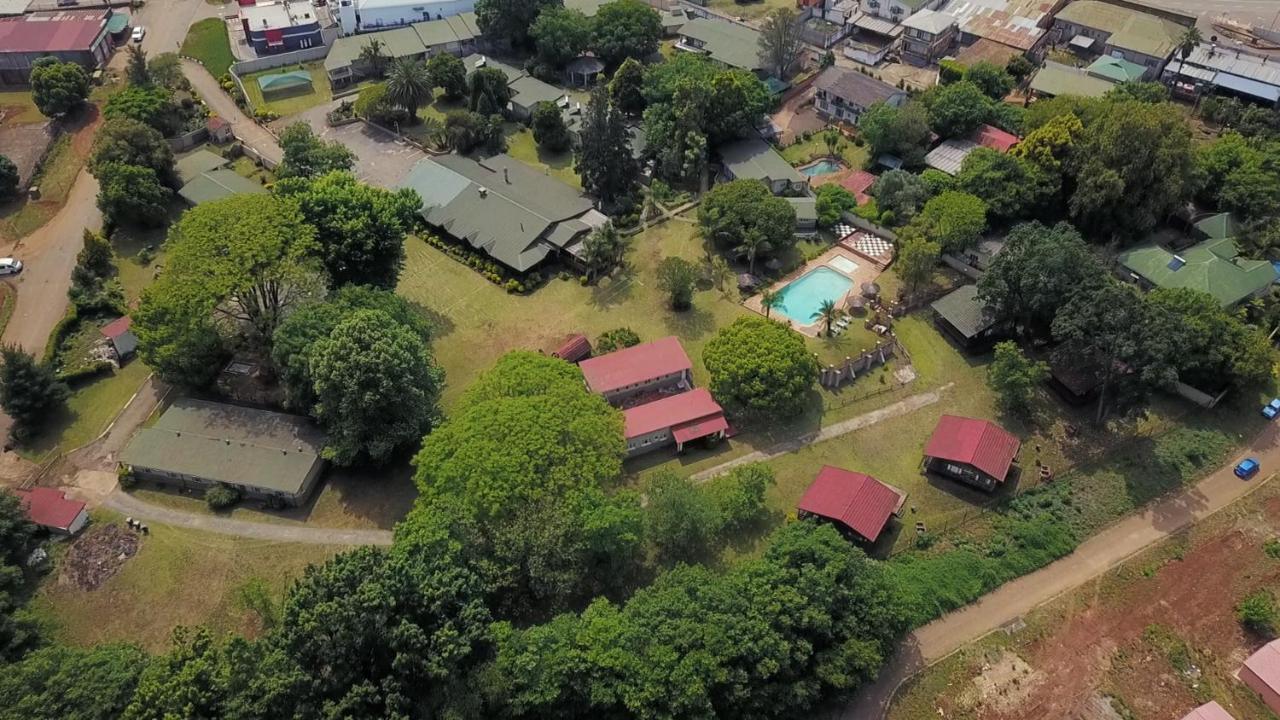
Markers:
{"x": 221, "y": 496}
{"x": 1258, "y": 614}
{"x": 126, "y": 478}
{"x": 616, "y": 339}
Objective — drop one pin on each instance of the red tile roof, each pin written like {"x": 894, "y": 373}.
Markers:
{"x": 49, "y": 508}
{"x": 66, "y": 32}
{"x": 685, "y": 409}
{"x": 574, "y": 349}
{"x": 1209, "y": 711}
{"x": 117, "y": 327}
{"x": 995, "y": 138}
{"x": 1265, "y": 664}
{"x": 857, "y": 501}
{"x": 633, "y": 365}
{"x": 858, "y": 182}
{"x": 980, "y": 443}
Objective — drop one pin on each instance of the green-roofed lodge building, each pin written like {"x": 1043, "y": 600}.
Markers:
{"x": 755, "y": 159}
{"x": 962, "y": 316}
{"x": 1056, "y": 79}
{"x": 196, "y": 444}
{"x": 1096, "y": 27}
{"x": 1212, "y": 266}
{"x": 727, "y": 43}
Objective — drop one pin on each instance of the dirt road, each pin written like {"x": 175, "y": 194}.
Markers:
{"x": 1103, "y": 551}
{"x": 253, "y": 134}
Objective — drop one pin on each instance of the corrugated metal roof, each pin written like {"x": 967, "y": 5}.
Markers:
{"x": 690, "y": 408}
{"x": 1265, "y": 663}
{"x": 1015, "y": 23}
{"x": 727, "y": 42}
{"x": 1234, "y": 62}
{"x": 49, "y": 508}
{"x": 963, "y": 310}
{"x": 1056, "y": 79}
{"x": 858, "y": 501}
{"x": 63, "y": 32}
{"x": 574, "y": 349}
{"x": 756, "y": 159}
{"x": 1115, "y": 69}
{"x": 218, "y": 185}
{"x": 1212, "y": 266}
{"x": 189, "y": 167}
{"x": 1209, "y": 711}
{"x": 1129, "y": 29}
{"x": 633, "y": 365}
{"x": 995, "y": 138}
{"x": 949, "y": 156}
{"x": 854, "y": 87}
{"x": 1253, "y": 88}
{"x": 980, "y": 443}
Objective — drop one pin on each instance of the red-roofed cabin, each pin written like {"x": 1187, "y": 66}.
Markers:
{"x": 857, "y": 502}
{"x": 51, "y": 510}
{"x": 1209, "y": 711}
{"x": 1261, "y": 672}
{"x": 995, "y": 138}
{"x": 576, "y": 348}
{"x": 977, "y": 452}
{"x": 678, "y": 419}
{"x": 661, "y": 365}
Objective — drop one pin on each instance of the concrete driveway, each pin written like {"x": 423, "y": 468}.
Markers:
{"x": 382, "y": 159}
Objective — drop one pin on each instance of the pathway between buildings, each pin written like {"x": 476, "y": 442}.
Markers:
{"x": 1095, "y": 556}
{"x": 250, "y": 133}
{"x": 830, "y": 432}
{"x": 128, "y": 505}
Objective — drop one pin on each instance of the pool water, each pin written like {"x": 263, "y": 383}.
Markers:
{"x": 822, "y": 167}
{"x": 802, "y": 297}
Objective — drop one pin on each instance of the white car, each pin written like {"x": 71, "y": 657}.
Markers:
{"x": 9, "y": 266}
{"x": 138, "y": 33}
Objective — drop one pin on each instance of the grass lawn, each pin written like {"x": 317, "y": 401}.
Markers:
{"x": 18, "y": 108}
{"x": 89, "y": 410}
{"x": 287, "y": 106}
{"x": 246, "y": 167}
{"x": 520, "y": 145}
{"x": 208, "y": 42}
{"x": 815, "y": 147}
{"x": 179, "y": 577}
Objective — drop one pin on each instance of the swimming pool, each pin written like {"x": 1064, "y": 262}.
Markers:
{"x": 802, "y": 297}
{"x": 822, "y": 167}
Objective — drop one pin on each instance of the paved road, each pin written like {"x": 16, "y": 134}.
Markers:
{"x": 1095, "y": 556}
{"x": 167, "y": 22}
{"x": 130, "y": 506}
{"x": 830, "y": 432}
{"x": 253, "y": 134}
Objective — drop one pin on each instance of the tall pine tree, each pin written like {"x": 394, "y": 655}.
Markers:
{"x": 604, "y": 161}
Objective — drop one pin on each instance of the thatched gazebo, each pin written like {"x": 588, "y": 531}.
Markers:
{"x": 870, "y": 290}
{"x": 855, "y": 304}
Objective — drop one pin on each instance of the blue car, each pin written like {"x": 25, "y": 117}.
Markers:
{"x": 1247, "y": 468}
{"x": 1271, "y": 409}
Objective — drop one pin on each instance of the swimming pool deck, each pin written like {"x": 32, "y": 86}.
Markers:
{"x": 865, "y": 272}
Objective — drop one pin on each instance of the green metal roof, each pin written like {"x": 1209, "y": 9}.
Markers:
{"x": 586, "y": 7}
{"x": 726, "y": 42}
{"x": 498, "y": 205}
{"x": 189, "y": 167}
{"x": 284, "y": 81}
{"x": 1056, "y": 79}
{"x": 962, "y": 309}
{"x": 1213, "y": 266}
{"x": 1116, "y": 70}
{"x": 756, "y": 159}
{"x": 217, "y": 185}
{"x": 529, "y": 91}
{"x": 475, "y": 61}
{"x": 1217, "y": 227}
{"x": 231, "y": 444}
{"x": 806, "y": 208}
{"x": 117, "y": 22}
{"x": 455, "y": 29}
{"x": 1130, "y": 29}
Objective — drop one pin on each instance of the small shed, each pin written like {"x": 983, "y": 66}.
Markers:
{"x": 1209, "y": 711}
{"x": 961, "y": 315}
{"x": 576, "y": 348}
{"x": 584, "y": 70}
{"x": 120, "y": 334}
{"x": 285, "y": 84}
{"x": 977, "y": 452}
{"x": 52, "y": 510}
{"x": 855, "y": 501}
{"x": 1261, "y": 672}
{"x": 219, "y": 129}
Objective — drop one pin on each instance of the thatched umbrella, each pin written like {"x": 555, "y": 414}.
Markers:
{"x": 870, "y": 289}
{"x": 856, "y": 304}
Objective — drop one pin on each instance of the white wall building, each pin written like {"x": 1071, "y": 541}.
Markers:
{"x": 355, "y": 16}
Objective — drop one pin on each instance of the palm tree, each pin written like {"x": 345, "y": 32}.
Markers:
{"x": 770, "y": 299}
{"x": 753, "y": 243}
{"x": 832, "y": 138}
{"x": 372, "y": 55}
{"x": 409, "y": 86}
{"x": 827, "y": 313}
{"x": 1187, "y": 43}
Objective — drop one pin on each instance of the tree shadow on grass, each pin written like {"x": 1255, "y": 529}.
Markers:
{"x": 692, "y": 323}
{"x": 441, "y": 324}
{"x": 613, "y": 290}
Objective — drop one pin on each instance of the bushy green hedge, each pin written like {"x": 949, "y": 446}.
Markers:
{"x": 87, "y": 371}
{"x": 60, "y": 332}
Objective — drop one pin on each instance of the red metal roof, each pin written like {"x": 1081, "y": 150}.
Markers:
{"x": 117, "y": 327}
{"x": 859, "y": 502}
{"x": 63, "y": 33}
{"x": 684, "y": 409}
{"x": 1209, "y": 711}
{"x": 995, "y": 138}
{"x": 1266, "y": 665}
{"x": 633, "y": 365}
{"x": 980, "y": 443}
{"x": 574, "y": 349}
{"x": 700, "y": 428}
{"x": 49, "y": 508}
{"x": 857, "y": 182}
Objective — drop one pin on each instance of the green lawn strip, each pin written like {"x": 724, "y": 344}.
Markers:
{"x": 520, "y": 145}
{"x": 208, "y": 42}
{"x": 89, "y": 410}
{"x": 320, "y": 94}
{"x": 815, "y": 147}
{"x": 178, "y": 577}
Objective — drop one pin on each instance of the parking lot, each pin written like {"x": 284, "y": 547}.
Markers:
{"x": 382, "y": 159}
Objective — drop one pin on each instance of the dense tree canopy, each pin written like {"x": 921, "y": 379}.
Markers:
{"x": 956, "y": 110}
{"x": 128, "y": 142}
{"x": 131, "y": 194}
{"x": 8, "y": 179}
{"x": 360, "y": 229}
{"x": 510, "y": 20}
{"x": 1015, "y": 377}
{"x": 58, "y": 87}
{"x": 1214, "y": 347}
{"x": 150, "y": 105}
{"x": 1240, "y": 175}
{"x": 604, "y": 159}
{"x": 626, "y": 89}
{"x": 61, "y": 683}
{"x": 734, "y": 211}
{"x": 994, "y": 81}
{"x": 448, "y": 73}
{"x": 1039, "y": 269}
{"x": 549, "y": 130}
{"x": 29, "y": 393}
{"x": 1011, "y": 187}
{"x": 953, "y": 219}
{"x": 901, "y": 193}
{"x": 781, "y": 42}
{"x": 902, "y": 132}
{"x": 17, "y": 540}
{"x": 489, "y": 92}
{"x": 306, "y": 155}
{"x": 625, "y": 30}
{"x": 560, "y": 34}
{"x": 760, "y": 368}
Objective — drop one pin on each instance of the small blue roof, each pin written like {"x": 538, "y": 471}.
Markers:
{"x": 1249, "y": 87}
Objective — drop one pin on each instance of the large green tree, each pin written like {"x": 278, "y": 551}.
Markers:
{"x": 677, "y": 279}
{"x": 760, "y": 368}
{"x": 1011, "y": 188}
{"x": 1214, "y": 347}
{"x": 781, "y": 44}
{"x": 307, "y": 156}
{"x": 150, "y": 105}
{"x": 1014, "y": 377}
{"x": 901, "y": 193}
{"x": 509, "y": 21}
{"x": 377, "y": 387}
{"x": 899, "y": 131}
{"x": 1039, "y": 270}
{"x": 360, "y": 228}
{"x": 955, "y": 220}
{"x": 549, "y": 130}
{"x": 625, "y": 30}
{"x": 682, "y": 521}
{"x": 409, "y": 85}
{"x": 8, "y": 179}
{"x": 29, "y": 392}
{"x": 560, "y": 34}
{"x": 64, "y": 683}
{"x": 131, "y": 194}
{"x": 489, "y": 91}
{"x": 994, "y": 81}
{"x": 448, "y": 73}
{"x": 128, "y": 142}
{"x": 626, "y": 89}
{"x": 57, "y": 87}
{"x": 604, "y": 159}
{"x": 735, "y": 211}
{"x": 956, "y": 110}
